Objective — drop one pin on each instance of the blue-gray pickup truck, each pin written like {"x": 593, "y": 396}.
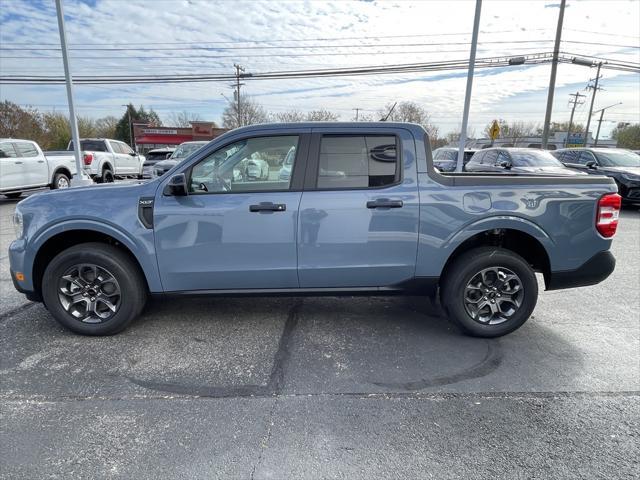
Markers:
{"x": 358, "y": 209}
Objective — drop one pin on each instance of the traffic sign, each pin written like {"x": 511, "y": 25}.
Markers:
{"x": 494, "y": 131}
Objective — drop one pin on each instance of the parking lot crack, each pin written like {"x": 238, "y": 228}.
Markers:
{"x": 264, "y": 442}
{"x": 281, "y": 358}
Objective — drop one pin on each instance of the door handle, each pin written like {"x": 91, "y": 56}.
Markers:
{"x": 40, "y": 161}
{"x": 384, "y": 203}
{"x": 268, "y": 207}
{"x": 18, "y": 163}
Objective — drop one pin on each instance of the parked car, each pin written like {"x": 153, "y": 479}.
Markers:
{"x": 106, "y": 159}
{"x": 24, "y": 167}
{"x": 154, "y": 156}
{"x": 445, "y": 159}
{"x": 389, "y": 224}
{"x": 517, "y": 160}
{"x": 287, "y": 165}
{"x": 183, "y": 151}
{"x": 621, "y": 165}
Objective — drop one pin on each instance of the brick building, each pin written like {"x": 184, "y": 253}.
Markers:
{"x": 147, "y": 137}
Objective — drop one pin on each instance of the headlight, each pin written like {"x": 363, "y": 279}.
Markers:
{"x": 631, "y": 177}
{"x": 18, "y": 225}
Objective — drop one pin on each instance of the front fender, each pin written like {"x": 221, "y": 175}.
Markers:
{"x": 140, "y": 246}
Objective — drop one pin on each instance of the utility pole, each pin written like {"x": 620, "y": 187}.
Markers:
{"x": 238, "y": 84}
{"x": 357, "y": 111}
{"x": 467, "y": 96}
{"x": 576, "y": 101}
{"x": 79, "y": 178}
{"x": 600, "y": 120}
{"x": 552, "y": 79}
{"x": 595, "y": 88}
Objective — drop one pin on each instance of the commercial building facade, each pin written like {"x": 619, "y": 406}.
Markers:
{"x": 148, "y": 137}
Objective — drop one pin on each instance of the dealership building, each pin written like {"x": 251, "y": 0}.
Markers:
{"x": 147, "y": 137}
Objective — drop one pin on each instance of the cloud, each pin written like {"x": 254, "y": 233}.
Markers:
{"x": 289, "y": 36}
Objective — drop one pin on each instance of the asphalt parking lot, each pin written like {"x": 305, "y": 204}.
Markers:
{"x": 277, "y": 388}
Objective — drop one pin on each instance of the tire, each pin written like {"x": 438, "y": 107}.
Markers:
{"x": 107, "y": 176}
{"x": 60, "y": 180}
{"x": 128, "y": 282}
{"x": 13, "y": 195}
{"x": 514, "y": 304}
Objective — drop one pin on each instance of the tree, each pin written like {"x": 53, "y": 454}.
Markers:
{"x": 290, "y": 116}
{"x": 563, "y": 127}
{"x": 513, "y": 130}
{"x": 251, "y": 112}
{"x": 18, "y": 122}
{"x": 409, "y": 112}
{"x": 627, "y": 135}
{"x": 321, "y": 115}
{"x": 183, "y": 119}
{"x": 123, "y": 128}
{"x": 106, "y": 127}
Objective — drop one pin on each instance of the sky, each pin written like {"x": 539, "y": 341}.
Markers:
{"x": 192, "y": 36}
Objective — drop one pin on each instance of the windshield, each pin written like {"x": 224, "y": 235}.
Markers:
{"x": 186, "y": 149}
{"x": 534, "y": 159}
{"x": 618, "y": 158}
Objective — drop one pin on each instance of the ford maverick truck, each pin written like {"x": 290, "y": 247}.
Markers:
{"x": 363, "y": 211}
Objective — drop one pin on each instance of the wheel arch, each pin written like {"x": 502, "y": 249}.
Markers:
{"x": 58, "y": 170}
{"x": 519, "y": 236}
{"x": 59, "y": 238}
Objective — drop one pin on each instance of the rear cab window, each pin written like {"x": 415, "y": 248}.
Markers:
{"x": 358, "y": 161}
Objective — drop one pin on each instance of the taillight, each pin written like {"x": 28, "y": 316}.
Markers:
{"x": 608, "y": 213}
{"x": 88, "y": 158}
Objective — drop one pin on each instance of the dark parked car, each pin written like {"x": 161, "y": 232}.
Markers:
{"x": 445, "y": 159}
{"x": 153, "y": 157}
{"x": 517, "y": 160}
{"x": 183, "y": 151}
{"x": 621, "y": 165}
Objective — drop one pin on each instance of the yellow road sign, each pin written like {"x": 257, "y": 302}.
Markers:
{"x": 495, "y": 130}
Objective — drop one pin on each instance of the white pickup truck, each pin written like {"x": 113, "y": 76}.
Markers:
{"x": 105, "y": 159}
{"x": 24, "y": 167}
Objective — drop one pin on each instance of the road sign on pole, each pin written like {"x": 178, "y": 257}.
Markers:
{"x": 494, "y": 131}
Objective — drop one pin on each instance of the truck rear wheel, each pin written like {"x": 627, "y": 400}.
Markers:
{"x": 107, "y": 176}
{"x": 93, "y": 289}
{"x": 60, "y": 180}
{"x": 489, "y": 291}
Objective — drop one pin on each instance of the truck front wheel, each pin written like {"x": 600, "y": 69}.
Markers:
{"x": 93, "y": 289}
{"x": 489, "y": 291}
{"x": 60, "y": 180}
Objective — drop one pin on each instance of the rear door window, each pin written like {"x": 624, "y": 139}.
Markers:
{"x": 26, "y": 149}
{"x": 358, "y": 161}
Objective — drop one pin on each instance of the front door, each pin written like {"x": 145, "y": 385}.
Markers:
{"x": 237, "y": 227}
{"x": 359, "y": 215}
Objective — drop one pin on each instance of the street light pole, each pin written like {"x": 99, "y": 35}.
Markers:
{"x": 79, "y": 178}
{"x": 552, "y": 80}
{"x": 600, "y": 120}
{"x": 467, "y": 97}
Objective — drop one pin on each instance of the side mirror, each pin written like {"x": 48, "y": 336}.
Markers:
{"x": 506, "y": 165}
{"x": 591, "y": 164}
{"x": 177, "y": 186}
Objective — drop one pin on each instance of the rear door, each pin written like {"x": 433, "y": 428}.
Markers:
{"x": 233, "y": 231}
{"x": 359, "y": 212}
